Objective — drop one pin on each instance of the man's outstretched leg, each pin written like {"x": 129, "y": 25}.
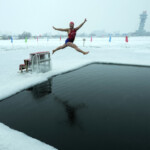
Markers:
{"x": 76, "y": 48}
{"x": 59, "y": 48}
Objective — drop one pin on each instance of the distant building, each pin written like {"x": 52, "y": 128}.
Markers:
{"x": 143, "y": 18}
{"x": 99, "y": 33}
{"x": 141, "y": 31}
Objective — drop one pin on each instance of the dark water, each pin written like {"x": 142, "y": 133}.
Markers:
{"x": 98, "y": 107}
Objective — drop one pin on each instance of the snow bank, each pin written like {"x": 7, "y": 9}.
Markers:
{"x": 14, "y": 140}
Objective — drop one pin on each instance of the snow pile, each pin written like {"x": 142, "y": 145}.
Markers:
{"x": 14, "y": 140}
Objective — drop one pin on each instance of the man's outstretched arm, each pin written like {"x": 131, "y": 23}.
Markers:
{"x": 77, "y": 28}
{"x": 59, "y": 29}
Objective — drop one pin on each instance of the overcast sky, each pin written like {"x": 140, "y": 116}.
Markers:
{"x": 38, "y": 16}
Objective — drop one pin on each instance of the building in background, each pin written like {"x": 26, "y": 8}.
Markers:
{"x": 141, "y": 31}
{"x": 143, "y": 18}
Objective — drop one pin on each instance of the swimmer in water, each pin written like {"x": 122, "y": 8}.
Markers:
{"x": 71, "y": 37}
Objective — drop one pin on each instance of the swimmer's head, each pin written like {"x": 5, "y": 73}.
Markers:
{"x": 71, "y": 25}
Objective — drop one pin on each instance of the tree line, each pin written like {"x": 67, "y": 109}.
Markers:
{"x": 20, "y": 36}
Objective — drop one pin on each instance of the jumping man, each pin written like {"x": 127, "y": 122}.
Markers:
{"x": 71, "y": 37}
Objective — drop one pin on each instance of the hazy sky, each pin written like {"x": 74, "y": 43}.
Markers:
{"x": 38, "y": 16}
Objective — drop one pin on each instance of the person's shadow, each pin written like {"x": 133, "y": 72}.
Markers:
{"x": 71, "y": 111}
{"x": 45, "y": 88}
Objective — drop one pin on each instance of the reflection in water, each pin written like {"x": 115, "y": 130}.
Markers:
{"x": 42, "y": 89}
{"x": 45, "y": 88}
{"x": 71, "y": 111}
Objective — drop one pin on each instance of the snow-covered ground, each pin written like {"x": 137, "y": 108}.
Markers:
{"x": 15, "y": 140}
{"x": 137, "y": 51}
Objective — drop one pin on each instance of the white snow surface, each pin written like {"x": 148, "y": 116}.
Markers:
{"x": 137, "y": 52}
{"x": 15, "y": 140}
